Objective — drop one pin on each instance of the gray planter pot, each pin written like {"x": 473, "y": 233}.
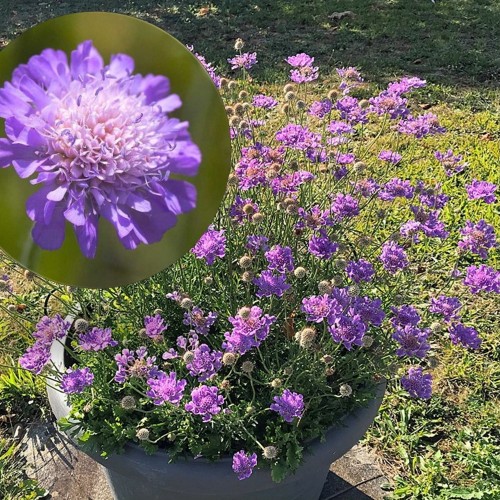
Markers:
{"x": 134, "y": 475}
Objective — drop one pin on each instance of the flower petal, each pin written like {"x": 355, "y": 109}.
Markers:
{"x": 50, "y": 236}
{"x": 120, "y": 66}
{"x": 85, "y": 61}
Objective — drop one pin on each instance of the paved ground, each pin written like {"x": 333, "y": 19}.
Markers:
{"x": 68, "y": 474}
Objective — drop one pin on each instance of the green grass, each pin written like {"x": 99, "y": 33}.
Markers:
{"x": 446, "y": 448}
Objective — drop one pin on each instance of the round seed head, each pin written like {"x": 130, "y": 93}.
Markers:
{"x": 248, "y": 209}
{"x": 243, "y": 125}
{"x": 225, "y": 384}
{"x": 142, "y": 434}
{"x": 286, "y": 108}
{"x": 229, "y": 358}
{"x": 232, "y": 85}
{"x": 247, "y": 277}
{"x": 247, "y": 106}
{"x": 300, "y": 104}
{"x": 239, "y": 109}
{"x": 353, "y": 290}
{"x": 345, "y": 390}
{"x": 329, "y": 371}
{"x": 340, "y": 264}
{"x": 245, "y": 262}
{"x": 244, "y": 312}
{"x": 29, "y": 275}
{"x": 171, "y": 436}
{"x": 288, "y": 88}
{"x": 142, "y": 333}
{"x": 81, "y": 325}
{"x": 275, "y": 383}
{"x": 324, "y": 287}
{"x": 333, "y": 94}
{"x": 188, "y": 357}
{"x": 367, "y": 341}
{"x": 364, "y": 103}
{"x": 258, "y": 217}
{"x": 128, "y": 402}
{"x": 359, "y": 167}
{"x": 208, "y": 280}
{"x": 229, "y": 110}
{"x": 247, "y": 367}
{"x": 327, "y": 359}
{"x": 243, "y": 94}
{"x": 300, "y": 273}
{"x": 12, "y": 308}
{"x": 270, "y": 452}
{"x": 233, "y": 180}
{"x": 239, "y": 44}
{"x": 186, "y": 303}
{"x": 337, "y": 281}
{"x": 234, "y": 121}
{"x": 290, "y": 96}
{"x": 288, "y": 370}
{"x": 224, "y": 82}
{"x": 157, "y": 311}
{"x": 307, "y": 337}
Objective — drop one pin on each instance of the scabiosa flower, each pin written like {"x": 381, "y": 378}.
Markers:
{"x": 209, "y": 68}
{"x": 360, "y": 270}
{"x": 243, "y": 464}
{"x": 75, "y": 381}
{"x": 210, "y": 246}
{"x": 280, "y": 259}
{"x": 264, "y": 101}
{"x": 320, "y": 109}
{"x": 5, "y": 284}
{"x": 257, "y": 243}
{"x": 135, "y": 364}
{"x": 205, "y": 401}
{"x": 242, "y": 210}
{"x": 195, "y": 318}
{"x": 465, "y": 335}
{"x": 315, "y": 218}
{"x": 351, "y": 111}
{"x": 412, "y": 341}
{"x": 482, "y": 279}
{"x": 452, "y": 163}
{"x": 50, "y": 329}
{"x": 155, "y": 326}
{"x": 298, "y": 137}
{"x": 205, "y": 363}
{"x": 351, "y": 78}
{"x": 163, "y": 388}
{"x": 289, "y": 184}
{"x": 366, "y": 187}
{"x": 405, "y": 85}
{"x": 101, "y": 143}
{"x": 320, "y": 307}
{"x": 303, "y": 71}
{"x": 390, "y": 156}
{"x": 96, "y": 339}
{"x": 416, "y": 383}
{"x": 337, "y": 127}
{"x": 289, "y": 405}
{"x": 248, "y": 331}
{"x": 420, "y": 126}
{"x": 369, "y": 310}
{"x": 448, "y": 307}
{"x": 344, "y": 205}
{"x": 321, "y": 246}
{"x": 478, "y": 238}
{"x": 481, "y": 190}
{"x": 269, "y": 284}
{"x": 397, "y": 188}
{"x": 243, "y": 61}
{"x": 393, "y": 257}
{"x": 389, "y": 103}
{"x": 36, "y": 357}
{"x": 404, "y": 315}
{"x": 348, "y": 330}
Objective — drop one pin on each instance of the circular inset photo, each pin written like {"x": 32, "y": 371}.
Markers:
{"x": 114, "y": 149}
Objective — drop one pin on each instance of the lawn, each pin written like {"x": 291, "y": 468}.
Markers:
{"x": 448, "y": 447}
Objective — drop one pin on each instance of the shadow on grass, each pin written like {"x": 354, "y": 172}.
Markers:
{"x": 450, "y": 42}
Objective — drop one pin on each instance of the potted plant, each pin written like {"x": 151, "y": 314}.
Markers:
{"x": 248, "y": 366}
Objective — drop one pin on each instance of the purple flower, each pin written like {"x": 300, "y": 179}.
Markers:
{"x": 163, "y": 388}
{"x": 36, "y": 357}
{"x": 348, "y": 330}
{"x": 269, "y": 284}
{"x": 340, "y": 128}
{"x": 412, "y": 341}
{"x": 249, "y": 331}
{"x": 320, "y": 307}
{"x": 155, "y": 326}
{"x": 405, "y": 85}
{"x": 264, "y": 101}
{"x": 351, "y": 78}
{"x": 390, "y": 156}
{"x": 404, "y": 315}
{"x": 75, "y": 381}
{"x": 96, "y": 339}
{"x": 431, "y": 196}
{"x": 481, "y": 190}
{"x": 244, "y": 61}
{"x": 196, "y": 319}
{"x": 482, "y": 279}
{"x": 366, "y": 187}
{"x": 289, "y": 405}
{"x": 320, "y": 109}
{"x": 101, "y": 144}
{"x": 289, "y": 184}
{"x": 209, "y": 68}
{"x": 389, "y": 103}
{"x": 369, "y": 310}
{"x": 205, "y": 363}
{"x": 422, "y": 125}
{"x": 360, "y": 270}
{"x": 298, "y": 137}
{"x": 315, "y": 218}
{"x": 344, "y": 205}
{"x": 304, "y": 70}
{"x": 426, "y": 222}
{"x": 451, "y": 163}
{"x": 465, "y": 335}
{"x": 280, "y": 259}
{"x": 447, "y": 306}
{"x": 5, "y": 284}
{"x": 242, "y": 210}
{"x": 257, "y": 243}
{"x": 478, "y": 238}
{"x": 210, "y": 246}
{"x": 135, "y": 364}
{"x": 50, "y": 329}
{"x": 417, "y": 384}
{"x": 393, "y": 257}
{"x": 321, "y": 246}
{"x": 351, "y": 111}
{"x": 205, "y": 401}
{"x": 345, "y": 158}
{"x": 243, "y": 464}
{"x": 397, "y": 188}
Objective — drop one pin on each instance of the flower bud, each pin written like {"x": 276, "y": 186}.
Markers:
{"x": 157, "y": 311}
{"x": 142, "y": 434}
{"x": 288, "y": 370}
{"x": 171, "y": 436}
{"x": 225, "y": 385}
